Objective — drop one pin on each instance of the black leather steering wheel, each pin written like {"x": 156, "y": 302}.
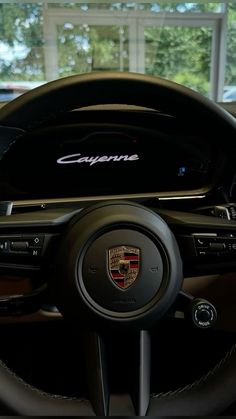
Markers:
{"x": 62, "y": 95}
{"x": 84, "y": 284}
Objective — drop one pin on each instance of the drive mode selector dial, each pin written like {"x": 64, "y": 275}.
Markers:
{"x": 118, "y": 262}
{"x": 204, "y": 314}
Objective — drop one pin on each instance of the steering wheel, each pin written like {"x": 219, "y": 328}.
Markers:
{"x": 116, "y": 263}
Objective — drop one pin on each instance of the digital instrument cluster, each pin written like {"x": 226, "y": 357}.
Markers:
{"x": 92, "y": 160}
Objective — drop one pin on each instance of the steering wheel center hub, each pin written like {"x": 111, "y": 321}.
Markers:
{"x": 119, "y": 262}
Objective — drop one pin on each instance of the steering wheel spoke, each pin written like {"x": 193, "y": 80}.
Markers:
{"x": 96, "y": 371}
{"x": 142, "y": 373}
{"x": 133, "y": 354}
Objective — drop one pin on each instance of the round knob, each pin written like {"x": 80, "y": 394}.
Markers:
{"x": 204, "y": 314}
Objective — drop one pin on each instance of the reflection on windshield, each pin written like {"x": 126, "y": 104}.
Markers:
{"x": 191, "y": 43}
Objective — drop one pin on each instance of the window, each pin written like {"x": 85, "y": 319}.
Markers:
{"x": 191, "y": 43}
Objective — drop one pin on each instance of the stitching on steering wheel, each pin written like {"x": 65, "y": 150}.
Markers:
{"x": 202, "y": 380}
{"x": 35, "y": 390}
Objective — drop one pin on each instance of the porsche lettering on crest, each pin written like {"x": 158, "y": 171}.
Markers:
{"x": 124, "y": 265}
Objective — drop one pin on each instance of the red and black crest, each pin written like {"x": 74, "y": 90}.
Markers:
{"x": 124, "y": 265}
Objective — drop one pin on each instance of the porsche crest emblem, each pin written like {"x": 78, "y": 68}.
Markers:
{"x": 124, "y": 265}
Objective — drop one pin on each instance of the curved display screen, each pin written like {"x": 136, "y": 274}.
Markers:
{"x": 62, "y": 163}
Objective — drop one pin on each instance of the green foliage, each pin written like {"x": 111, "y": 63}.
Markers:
{"x": 181, "y": 54}
{"x": 82, "y": 48}
{"x": 230, "y": 73}
{"x": 22, "y": 27}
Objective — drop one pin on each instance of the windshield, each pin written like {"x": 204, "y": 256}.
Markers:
{"x": 191, "y": 43}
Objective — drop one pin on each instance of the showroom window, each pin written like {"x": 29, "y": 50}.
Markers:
{"x": 191, "y": 43}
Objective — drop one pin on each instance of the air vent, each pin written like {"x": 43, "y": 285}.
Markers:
{"x": 31, "y": 206}
{"x": 25, "y": 208}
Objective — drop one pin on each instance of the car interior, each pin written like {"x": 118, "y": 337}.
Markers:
{"x": 117, "y": 233}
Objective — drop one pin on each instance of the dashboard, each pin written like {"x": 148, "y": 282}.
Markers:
{"x": 52, "y": 170}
